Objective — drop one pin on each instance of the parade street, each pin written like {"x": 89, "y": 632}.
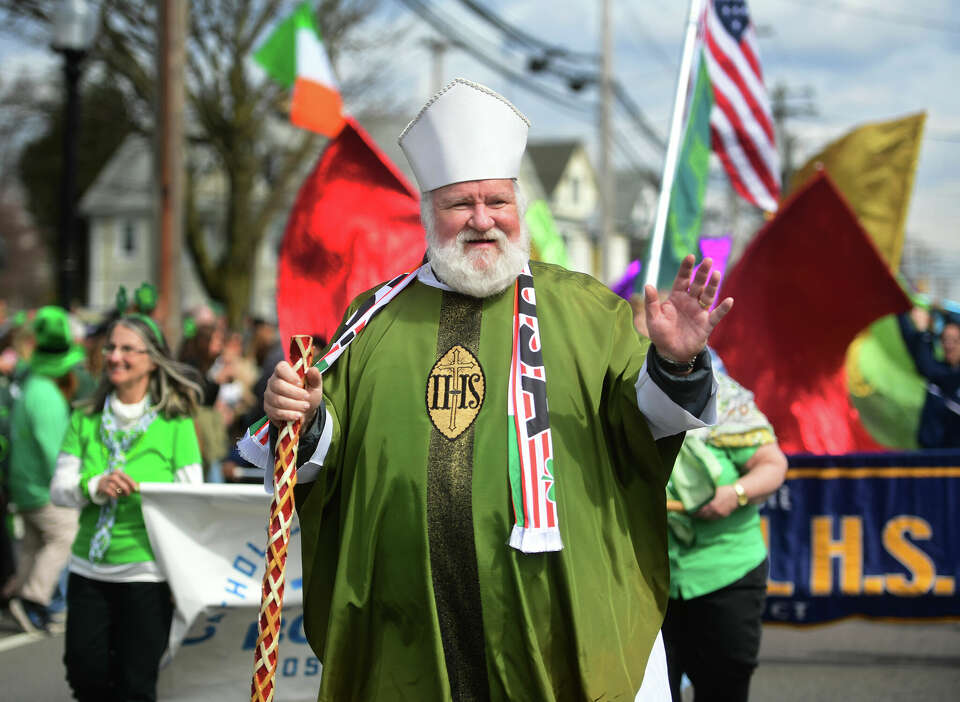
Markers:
{"x": 854, "y": 661}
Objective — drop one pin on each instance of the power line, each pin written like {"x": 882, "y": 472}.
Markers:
{"x": 446, "y": 29}
{"x": 899, "y": 18}
{"x": 527, "y": 39}
{"x": 570, "y": 75}
{"x": 584, "y": 111}
{"x": 636, "y": 115}
{"x": 668, "y": 62}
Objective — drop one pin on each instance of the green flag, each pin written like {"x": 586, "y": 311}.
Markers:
{"x": 884, "y": 385}
{"x": 294, "y": 56}
{"x": 685, "y": 215}
{"x": 278, "y": 54}
{"x": 547, "y": 244}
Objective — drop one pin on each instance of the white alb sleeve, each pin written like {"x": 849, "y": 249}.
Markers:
{"x": 310, "y": 469}
{"x": 665, "y": 416}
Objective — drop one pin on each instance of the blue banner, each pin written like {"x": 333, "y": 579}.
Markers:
{"x": 872, "y": 535}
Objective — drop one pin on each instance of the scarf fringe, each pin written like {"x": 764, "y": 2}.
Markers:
{"x": 533, "y": 540}
{"x": 253, "y": 450}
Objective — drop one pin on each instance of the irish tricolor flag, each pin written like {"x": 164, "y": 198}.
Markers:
{"x": 294, "y": 57}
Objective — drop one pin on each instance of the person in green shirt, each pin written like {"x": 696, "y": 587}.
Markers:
{"x": 482, "y": 514}
{"x": 136, "y": 428}
{"x": 718, "y": 558}
{"x": 38, "y": 424}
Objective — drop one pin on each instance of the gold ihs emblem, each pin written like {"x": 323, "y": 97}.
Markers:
{"x": 455, "y": 390}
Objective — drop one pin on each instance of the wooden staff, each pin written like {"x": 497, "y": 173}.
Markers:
{"x": 278, "y": 537}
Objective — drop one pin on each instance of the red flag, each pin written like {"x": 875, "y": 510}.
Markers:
{"x": 355, "y": 223}
{"x": 805, "y": 287}
{"x": 741, "y": 122}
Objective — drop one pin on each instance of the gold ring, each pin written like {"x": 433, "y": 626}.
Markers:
{"x": 704, "y": 305}
{"x": 119, "y": 491}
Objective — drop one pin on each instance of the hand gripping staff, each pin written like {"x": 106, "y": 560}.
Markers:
{"x": 278, "y": 537}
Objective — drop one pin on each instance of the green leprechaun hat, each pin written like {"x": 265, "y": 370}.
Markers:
{"x": 55, "y": 354}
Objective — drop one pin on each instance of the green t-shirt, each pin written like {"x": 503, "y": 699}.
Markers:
{"x": 40, "y": 418}
{"x": 723, "y": 550}
{"x": 155, "y": 457}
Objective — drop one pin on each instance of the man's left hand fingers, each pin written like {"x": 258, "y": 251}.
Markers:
{"x": 720, "y": 311}
{"x": 700, "y": 279}
{"x": 682, "y": 281}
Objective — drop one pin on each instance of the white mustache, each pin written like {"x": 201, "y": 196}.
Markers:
{"x": 467, "y": 235}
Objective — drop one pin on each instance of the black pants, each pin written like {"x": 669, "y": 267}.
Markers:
{"x": 116, "y": 635}
{"x": 715, "y": 639}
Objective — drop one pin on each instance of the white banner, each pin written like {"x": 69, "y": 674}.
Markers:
{"x": 208, "y": 539}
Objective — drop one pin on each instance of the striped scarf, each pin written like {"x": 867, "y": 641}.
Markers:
{"x": 117, "y": 442}
{"x": 529, "y": 442}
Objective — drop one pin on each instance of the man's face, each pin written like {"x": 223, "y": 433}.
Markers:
{"x": 477, "y": 243}
{"x": 480, "y": 206}
{"x": 950, "y": 340}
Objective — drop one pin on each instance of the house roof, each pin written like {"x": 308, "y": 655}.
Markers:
{"x": 550, "y": 158}
{"x": 125, "y": 184}
{"x": 629, "y": 185}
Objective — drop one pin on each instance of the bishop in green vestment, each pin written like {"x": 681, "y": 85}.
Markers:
{"x": 412, "y": 589}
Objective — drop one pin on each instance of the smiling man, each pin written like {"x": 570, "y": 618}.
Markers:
{"x": 485, "y": 454}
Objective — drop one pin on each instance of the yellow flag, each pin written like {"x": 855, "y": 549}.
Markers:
{"x": 873, "y": 166}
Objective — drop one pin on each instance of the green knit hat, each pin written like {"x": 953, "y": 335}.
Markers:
{"x": 55, "y": 354}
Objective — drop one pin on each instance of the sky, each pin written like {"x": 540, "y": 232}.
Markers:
{"x": 860, "y": 60}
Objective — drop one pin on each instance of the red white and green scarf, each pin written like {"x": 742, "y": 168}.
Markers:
{"x": 529, "y": 445}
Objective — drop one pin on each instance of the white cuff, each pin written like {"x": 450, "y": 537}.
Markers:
{"x": 95, "y": 497}
{"x": 65, "y": 485}
{"x": 665, "y": 416}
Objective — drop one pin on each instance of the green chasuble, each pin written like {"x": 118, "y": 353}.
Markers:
{"x": 411, "y": 590}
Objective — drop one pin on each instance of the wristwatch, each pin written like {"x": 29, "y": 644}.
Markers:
{"x": 742, "y": 498}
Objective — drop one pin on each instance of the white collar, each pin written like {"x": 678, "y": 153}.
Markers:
{"x": 128, "y": 413}
{"x": 426, "y": 276}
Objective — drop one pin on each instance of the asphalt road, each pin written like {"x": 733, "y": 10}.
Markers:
{"x": 853, "y": 661}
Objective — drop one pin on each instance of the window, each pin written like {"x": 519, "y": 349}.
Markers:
{"x": 128, "y": 239}
{"x": 574, "y": 190}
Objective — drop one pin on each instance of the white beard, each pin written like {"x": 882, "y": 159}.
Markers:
{"x": 479, "y": 273}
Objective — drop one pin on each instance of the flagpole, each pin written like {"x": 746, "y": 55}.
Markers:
{"x": 673, "y": 143}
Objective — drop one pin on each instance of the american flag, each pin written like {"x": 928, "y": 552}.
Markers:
{"x": 741, "y": 123}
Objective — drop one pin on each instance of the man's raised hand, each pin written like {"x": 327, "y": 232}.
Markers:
{"x": 285, "y": 401}
{"x": 680, "y": 325}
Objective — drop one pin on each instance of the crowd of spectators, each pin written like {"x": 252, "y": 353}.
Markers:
{"x": 233, "y": 364}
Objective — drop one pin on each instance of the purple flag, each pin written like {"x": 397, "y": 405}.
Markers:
{"x": 624, "y": 286}
{"x": 719, "y": 250}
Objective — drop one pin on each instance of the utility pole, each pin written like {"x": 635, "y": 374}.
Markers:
{"x": 607, "y": 188}
{"x": 438, "y": 48}
{"x": 786, "y": 103}
{"x": 172, "y": 33}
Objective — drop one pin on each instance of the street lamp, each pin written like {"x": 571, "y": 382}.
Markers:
{"x": 74, "y": 23}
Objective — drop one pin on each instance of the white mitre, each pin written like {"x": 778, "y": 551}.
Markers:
{"x": 465, "y": 132}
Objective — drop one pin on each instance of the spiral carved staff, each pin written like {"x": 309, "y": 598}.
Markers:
{"x": 278, "y": 538}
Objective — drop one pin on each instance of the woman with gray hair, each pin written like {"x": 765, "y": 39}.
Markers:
{"x": 137, "y": 428}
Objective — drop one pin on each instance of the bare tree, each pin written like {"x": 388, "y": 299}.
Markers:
{"x": 23, "y": 111}
{"x": 228, "y": 113}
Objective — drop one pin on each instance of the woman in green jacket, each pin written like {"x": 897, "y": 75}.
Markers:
{"x": 137, "y": 428}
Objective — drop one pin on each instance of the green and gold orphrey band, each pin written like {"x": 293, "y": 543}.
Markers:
{"x": 453, "y": 561}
